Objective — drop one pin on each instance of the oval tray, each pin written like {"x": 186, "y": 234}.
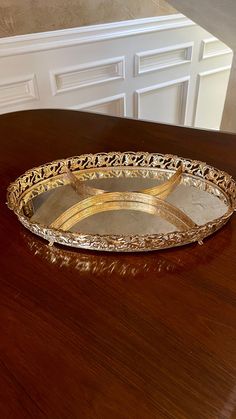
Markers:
{"x": 52, "y": 175}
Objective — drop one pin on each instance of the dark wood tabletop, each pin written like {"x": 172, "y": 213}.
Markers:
{"x": 103, "y": 335}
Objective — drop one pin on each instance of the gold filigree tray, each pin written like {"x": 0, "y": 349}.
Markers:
{"x": 123, "y": 201}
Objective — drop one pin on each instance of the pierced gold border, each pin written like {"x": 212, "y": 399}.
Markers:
{"x": 52, "y": 174}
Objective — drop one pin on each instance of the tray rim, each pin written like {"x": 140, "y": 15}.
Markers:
{"x": 114, "y": 242}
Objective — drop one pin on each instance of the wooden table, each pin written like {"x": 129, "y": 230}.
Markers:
{"x": 97, "y": 335}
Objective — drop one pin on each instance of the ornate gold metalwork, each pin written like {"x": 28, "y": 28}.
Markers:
{"x": 111, "y": 201}
{"x": 51, "y": 175}
{"x": 162, "y": 191}
{"x": 123, "y": 200}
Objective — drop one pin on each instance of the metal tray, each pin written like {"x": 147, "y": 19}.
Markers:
{"x": 123, "y": 201}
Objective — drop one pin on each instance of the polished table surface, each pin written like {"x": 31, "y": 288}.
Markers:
{"x": 98, "y": 335}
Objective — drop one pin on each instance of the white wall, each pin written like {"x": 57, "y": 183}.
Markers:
{"x": 218, "y": 17}
{"x": 165, "y": 69}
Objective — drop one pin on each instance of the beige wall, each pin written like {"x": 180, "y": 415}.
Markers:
{"x": 26, "y": 16}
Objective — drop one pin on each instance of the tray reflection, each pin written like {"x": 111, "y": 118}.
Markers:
{"x": 129, "y": 265}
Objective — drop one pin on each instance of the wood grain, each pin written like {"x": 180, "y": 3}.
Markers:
{"x": 94, "y": 335}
